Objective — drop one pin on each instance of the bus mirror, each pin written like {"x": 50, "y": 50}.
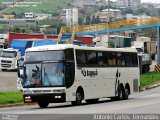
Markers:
{"x": 20, "y": 62}
{"x": 20, "y": 73}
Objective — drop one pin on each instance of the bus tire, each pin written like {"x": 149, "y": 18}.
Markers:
{"x": 121, "y": 92}
{"x": 127, "y": 91}
{"x": 43, "y": 104}
{"x": 4, "y": 69}
{"x": 79, "y": 98}
{"x": 92, "y": 100}
{"x": 126, "y": 94}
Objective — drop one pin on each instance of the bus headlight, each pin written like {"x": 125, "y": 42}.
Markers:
{"x": 27, "y": 91}
{"x": 59, "y": 91}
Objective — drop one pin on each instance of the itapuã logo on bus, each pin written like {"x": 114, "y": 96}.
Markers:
{"x": 89, "y": 73}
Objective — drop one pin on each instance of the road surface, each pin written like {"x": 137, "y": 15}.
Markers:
{"x": 147, "y": 102}
{"x": 8, "y": 81}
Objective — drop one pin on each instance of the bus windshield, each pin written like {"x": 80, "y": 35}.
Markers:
{"x": 44, "y": 55}
{"x": 44, "y": 75}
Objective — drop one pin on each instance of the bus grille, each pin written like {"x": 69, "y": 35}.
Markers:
{"x": 6, "y": 61}
{"x": 6, "y": 65}
{"x": 42, "y": 91}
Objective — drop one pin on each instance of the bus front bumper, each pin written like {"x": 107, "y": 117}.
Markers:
{"x": 51, "y": 98}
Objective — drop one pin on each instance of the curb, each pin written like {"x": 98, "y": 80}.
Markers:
{"x": 150, "y": 86}
{"x": 16, "y": 104}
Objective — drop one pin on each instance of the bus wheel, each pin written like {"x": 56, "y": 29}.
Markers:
{"x": 4, "y": 69}
{"x": 92, "y": 100}
{"x": 79, "y": 98}
{"x": 43, "y": 104}
{"x": 121, "y": 93}
{"x": 126, "y": 94}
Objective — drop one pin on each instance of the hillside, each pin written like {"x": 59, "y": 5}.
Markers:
{"x": 36, "y": 6}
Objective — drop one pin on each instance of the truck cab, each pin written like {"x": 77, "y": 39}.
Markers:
{"x": 8, "y": 59}
{"x": 145, "y": 59}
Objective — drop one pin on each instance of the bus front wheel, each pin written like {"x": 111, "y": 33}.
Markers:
{"x": 79, "y": 98}
{"x": 43, "y": 104}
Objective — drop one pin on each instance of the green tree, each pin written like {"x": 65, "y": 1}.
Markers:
{"x": 94, "y": 20}
{"x": 80, "y": 20}
{"x": 88, "y": 20}
{"x": 127, "y": 11}
{"x": 158, "y": 12}
{"x": 142, "y": 10}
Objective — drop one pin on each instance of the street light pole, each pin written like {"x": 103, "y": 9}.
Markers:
{"x": 108, "y": 20}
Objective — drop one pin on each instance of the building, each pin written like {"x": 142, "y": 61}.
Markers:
{"x": 84, "y": 3}
{"x": 114, "y": 14}
{"x": 141, "y": 19}
{"x": 8, "y": 16}
{"x": 43, "y": 16}
{"x": 48, "y": 29}
{"x": 29, "y": 15}
{"x": 18, "y": 22}
{"x": 69, "y": 16}
{"x": 128, "y": 3}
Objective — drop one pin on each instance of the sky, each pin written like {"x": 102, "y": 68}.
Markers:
{"x": 153, "y": 1}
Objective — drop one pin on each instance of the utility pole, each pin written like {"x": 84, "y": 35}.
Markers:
{"x": 108, "y": 19}
{"x": 158, "y": 45}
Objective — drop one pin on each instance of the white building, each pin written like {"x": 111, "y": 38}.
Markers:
{"x": 29, "y": 15}
{"x": 128, "y": 3}
{"x": 114, "y": 14}
{"x": 43, "y": 16}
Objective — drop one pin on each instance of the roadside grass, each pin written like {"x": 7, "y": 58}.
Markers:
{"x": 11, "y": 97}
{"x": 150, "y": 78}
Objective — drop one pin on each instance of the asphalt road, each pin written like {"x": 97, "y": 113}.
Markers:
{"x": 147, "y": 102}
{"x": 8, "y": 81}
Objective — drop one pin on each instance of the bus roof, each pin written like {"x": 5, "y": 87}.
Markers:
{"x": 66, "y": 46}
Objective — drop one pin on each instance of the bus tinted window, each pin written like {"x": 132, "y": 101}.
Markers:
{"x": 120, "y": 59}
{"x": 102, "y": 59}
{"x": 135, "y": 59}
{"x": 128, "y": 58}
{"x": 106, "y": 59}
{"x": 81, "y": 58}
{"x": 111, "y": 58}
{"x": 91, "y": 57}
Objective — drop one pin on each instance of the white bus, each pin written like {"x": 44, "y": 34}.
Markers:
{"x": 65, "y": 72}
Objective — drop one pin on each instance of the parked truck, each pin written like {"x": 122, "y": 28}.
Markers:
{"x": 114, "y": 41}
{"x": 144, "y": 60}
{"x": 8, "y": 59}
{"x": 147, "y": 45}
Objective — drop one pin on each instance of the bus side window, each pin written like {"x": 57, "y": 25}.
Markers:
{"x": 128, "y": 58}
{"x": 111, "y": 58}
{"x": 91, "y": 58}
{"x": 81, "y": 58}
{"x": 120, "y": 59}
{"x": 102, "y": 59}
{"x": 135, "y": 59}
